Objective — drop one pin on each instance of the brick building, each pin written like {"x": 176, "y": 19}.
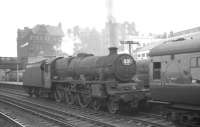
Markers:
{"x": 41, "y": 40}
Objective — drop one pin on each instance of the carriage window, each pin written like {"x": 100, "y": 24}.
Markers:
{"x": 46, "y": 68}
{"x": 156, "y": 70}
{"x": 195, "y": 62}
{"x": 198, "y": 61}
{"x": 42, "y": 67}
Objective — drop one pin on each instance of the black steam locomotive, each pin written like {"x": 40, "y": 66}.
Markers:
{"x": 87, "y": 80}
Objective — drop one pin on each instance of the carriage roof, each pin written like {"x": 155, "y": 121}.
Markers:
{"x": 176, "y": 47}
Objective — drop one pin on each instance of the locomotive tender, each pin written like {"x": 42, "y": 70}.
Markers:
{"x": 87, "y": 80}
{"x": 174, "y": 79}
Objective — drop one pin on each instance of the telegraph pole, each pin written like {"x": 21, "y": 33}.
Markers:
{"x": 129, "y": 43}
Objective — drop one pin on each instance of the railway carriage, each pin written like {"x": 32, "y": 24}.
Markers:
{"x": 142, "y": 72}
{"x": 175, "y": 79}
{"x": 87, "y": 80}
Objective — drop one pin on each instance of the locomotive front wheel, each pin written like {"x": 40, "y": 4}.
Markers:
{"x": 58, "y": 95}
{"x": 96, "y": 104}
{"x": 83, "y": 99}
{"x": 113, "y": 106}
{"x": 36, "y": 92}
{"x": 69, "y": 98}
{"x": 66, "y": 96}
{"x": 30, "y": 92}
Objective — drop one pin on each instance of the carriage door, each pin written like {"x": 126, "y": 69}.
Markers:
{"x": 47, "y": 75}
{"x": 156, "y": 70}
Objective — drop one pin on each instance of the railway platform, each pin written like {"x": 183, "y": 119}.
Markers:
{"x": 11, "y": 83}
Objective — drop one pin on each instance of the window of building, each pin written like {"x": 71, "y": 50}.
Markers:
{"x": 37, "y": 37}
{"x": 31, "y": 37}
{"x": 138, "y": 55}
{"x": 143, "y": 54}
{"x": 46, "y": 38}
{"x": 55, "y": 39}
{"x": 41, "y": 38}
{"x": 156, "y": 70}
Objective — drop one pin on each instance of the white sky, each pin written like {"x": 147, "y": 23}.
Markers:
{"x": 156, "y": 16}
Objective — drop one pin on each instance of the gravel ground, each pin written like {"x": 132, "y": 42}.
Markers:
{"x": 4, "y": 123}
{"x": 27, "y": 119}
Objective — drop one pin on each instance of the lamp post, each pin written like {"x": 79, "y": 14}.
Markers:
{"x": 129, "y": 43}
{"x": 17, "y": 72}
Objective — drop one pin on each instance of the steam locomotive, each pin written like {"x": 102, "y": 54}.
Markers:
{"x": 87, "y": 80}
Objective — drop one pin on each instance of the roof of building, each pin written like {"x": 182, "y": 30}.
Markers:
{"x": 52, "y": 30}
{"x": 41, "y": 29}
{"x": 176, "y": 47}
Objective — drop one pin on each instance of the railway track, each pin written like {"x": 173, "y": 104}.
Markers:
{"x": 9, "y": 120}
{"x": 26, "y": 119}
{"x": 98, "y": 118}
{"x": 58, "y": 116}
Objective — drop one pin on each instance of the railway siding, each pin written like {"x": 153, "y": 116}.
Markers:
{"x": 101, "y": 117}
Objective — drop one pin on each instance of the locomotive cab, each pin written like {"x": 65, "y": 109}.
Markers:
{"x": 38, "y": 77}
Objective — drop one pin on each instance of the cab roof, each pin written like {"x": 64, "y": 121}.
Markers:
{"x": 176, "y": 47}
{"x": 50, "y": 61}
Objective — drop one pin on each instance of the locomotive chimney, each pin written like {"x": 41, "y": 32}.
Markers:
{"x": 112, "y": 50}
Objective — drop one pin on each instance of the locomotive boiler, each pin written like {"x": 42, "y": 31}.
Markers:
{"x": 112, "y": 67}
{"x": 87, "y": 80}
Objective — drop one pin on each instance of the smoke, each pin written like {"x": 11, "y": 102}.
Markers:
{"x": 111, "y": 25}
{"x": 109, "y": 5}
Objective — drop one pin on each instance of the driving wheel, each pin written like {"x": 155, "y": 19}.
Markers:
{"x": 113, "y": 106}
{"x": 83, "y": 99}
{"x": 58, "y": 95}
{"x": 96, "y": 105}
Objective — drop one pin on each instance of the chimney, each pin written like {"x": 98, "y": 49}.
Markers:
{"x": 112, "y": 50}
{"x": 59, "y": 25}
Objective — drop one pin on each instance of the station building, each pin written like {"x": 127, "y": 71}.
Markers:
{"x": 10, "y": 69}
{"x": 41, "y": 40}
{"x": 142, "y": 53}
